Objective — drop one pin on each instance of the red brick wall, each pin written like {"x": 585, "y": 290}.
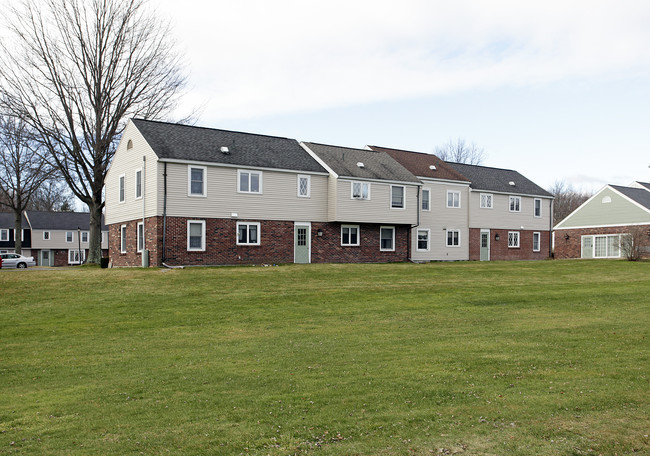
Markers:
{"x": 572, "y": 248}
{"x": 276, "y": 244}
{"x": 499, "y": 250}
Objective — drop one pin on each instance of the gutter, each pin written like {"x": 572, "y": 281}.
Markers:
{"x": 164, "y": 239}
{"x": 410, "y": 241}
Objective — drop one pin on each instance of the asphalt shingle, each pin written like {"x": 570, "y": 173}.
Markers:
{"x": 639, "y": 195}
{"x": 498, "y": 180}
{"x": 40, "y": 220}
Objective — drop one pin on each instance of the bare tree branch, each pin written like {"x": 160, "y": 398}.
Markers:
{"x": 461, "y": 152}
{"x": 567, "y": 200}
{"x": 80, "y": 70}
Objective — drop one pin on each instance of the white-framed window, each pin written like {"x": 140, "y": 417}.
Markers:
{"x": 537, "y": 207}
{"x": 4, "y": 235}
{"x": 304, "y": 186}
{"x": 84, "y": 236}
{"x": 423, "y": 241}
{"x": 426, "y": 199}
{"x": 46, "y": 235}
{"x": 349, "y": 235}
{"x": 196, "y": 235}
{"x": 453, "y": 238}
{"x": 123, "y": 239}
{"x": 607, "y": 246}
{"x": 486, "y": 200}
{"x": 536, "y": 241}
{"x": 387, "y": 238}
{"x": 397, "y": 197}
{"x": 360, "y": 190}
{"x": 76, "y": 256}
{"x": 515, "y": 204}
{"x": 138, "y": 183}
{"x": 140, "y": 237}
{"x": 249, "y": 181}
{"x": 453, "y": 198}
{"x": 196, "y": 181}
{"x": 513, "y": 239}
{"x": 69, "y": 236}
{"x": 121, "y": 186}
{"x": 248, "y": 233}
{"x": 102, "y": 238}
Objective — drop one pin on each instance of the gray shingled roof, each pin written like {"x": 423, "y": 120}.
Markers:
{"x": 640, "y": 195}
{"x": 198, "y": 144}
{"x": 60, "y": 220}
{"x": 498, "y": 180}
{"x": 645, "y": 184}
{"x": 7, "y": 220}
{"x": 377, "y": 165}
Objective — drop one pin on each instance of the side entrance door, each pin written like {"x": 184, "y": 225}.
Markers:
{"x": 302, "y": 243}
{"x": 45, "y": 259}
{"x": 485, "y": 245}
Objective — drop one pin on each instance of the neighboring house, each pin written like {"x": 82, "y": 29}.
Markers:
{"x": 7, "y": 235}
{"x": 510, "y": 217}
{"x": 372, "y": 200}
{"x": 55, "y": 237}
{"x": 442, "y": 230}
{"x": 595, "y": 229}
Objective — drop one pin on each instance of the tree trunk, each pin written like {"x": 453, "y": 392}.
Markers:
{"x": 95, "y": 235}
{"x": 18, "y": 230}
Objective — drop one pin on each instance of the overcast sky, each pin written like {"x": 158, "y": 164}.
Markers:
{"x": 553, "y": 89}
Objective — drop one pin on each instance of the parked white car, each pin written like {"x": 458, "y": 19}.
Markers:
{"x": 14, "y": 260}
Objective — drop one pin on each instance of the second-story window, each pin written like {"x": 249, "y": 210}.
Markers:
{"x": 537, "y": 207}
{"x": 122, "y": 188}
{"x": 361, "y": 190}
{"x": 197, "y": 180}
{"x": 303, "y": 186}
{"x": 138, "y": 183}
{"x": 453, "y": 198}
{"x": 426, "y": 199}
{"x": 397, "y": 197}
{"x": 486, "y": 200}
{"x": 46, "y": 235}
{"x": 68, "y": 236}
{"x": 249, "y": 181}
{"x": 515, "y": 204}
{"x": 4, "y": 235}
{"x": 84, "y": 236}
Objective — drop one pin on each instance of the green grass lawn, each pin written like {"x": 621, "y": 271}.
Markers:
{"x": 525, "y": 358}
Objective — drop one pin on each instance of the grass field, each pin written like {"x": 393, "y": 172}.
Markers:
{"x": 524, "y": 358}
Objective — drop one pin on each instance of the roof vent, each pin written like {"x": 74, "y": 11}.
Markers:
{"x": 511, "y": 183}
{"x": 432, "y": 167}
{"x": 360, "y": 165}
{"x": 225, "y": 150}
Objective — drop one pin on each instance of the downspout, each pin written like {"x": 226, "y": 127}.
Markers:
{"x": 164, "y": 212}
{"x": 551, "y": 234}
{"x": 145, "y": 258}
{"x": 417, "y": 223}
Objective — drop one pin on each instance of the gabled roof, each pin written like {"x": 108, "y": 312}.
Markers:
{"x": 376, "y": 165}
{"x": 638, "y": 195}
{"x": 40, "y": 220}
{"x": 645, "y": 185}
{"x": 199, "y": 144}
{"x": 420, "y": 164}
{"x": 7, "y": 220}
{"x": 498, "y": 180}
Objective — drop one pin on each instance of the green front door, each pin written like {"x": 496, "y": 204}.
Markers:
{"x": 485, "y": 245}
{"x": 302, "y": 241}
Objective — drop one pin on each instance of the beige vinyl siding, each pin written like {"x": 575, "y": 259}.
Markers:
{"x": 377, "y": 209}
{"x": 620, "y": 211}
{"x": 126, "y": 162}
{"x": 57, "y": 240}
{"x": 332, "y": 185}
{"x": 500, "y": 217}
{"x": 279, "y": 199}
{"x": 440, "y": 219}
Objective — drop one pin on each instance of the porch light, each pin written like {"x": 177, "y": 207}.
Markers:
{"x": 566, "y": 237}
{"x": 319, "y": 233}
{"x": 496, "y": 237}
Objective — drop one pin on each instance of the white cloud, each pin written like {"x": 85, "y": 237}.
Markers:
{"x": 253, "y": 58}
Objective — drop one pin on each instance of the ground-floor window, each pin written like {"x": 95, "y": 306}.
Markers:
{"x": 76, "y": 256}
{"x": 196, "y": 235}
{"x": 513, "y": 239}
{"x": 140, "y": 237}
{"x": 349, "y": 235}
{"x": 536, "y": 242}
{"x": 387, "y": 238}
{"x": 453, "y": 238}
{"x": 123, "y": 239}
{"x": 248, "y": 233}
{"x": 608, "y": 246}
{"x": 423, "y": 241}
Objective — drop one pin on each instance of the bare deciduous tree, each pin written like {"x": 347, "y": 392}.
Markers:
{"x": 22, "y": 170}
{"x": 636, "y": 243}
{"x": 461, "y": 152}
{"x": 567, "y": 200}
{"x": 76, "y": 72}
{"x": 53, "y": 195}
